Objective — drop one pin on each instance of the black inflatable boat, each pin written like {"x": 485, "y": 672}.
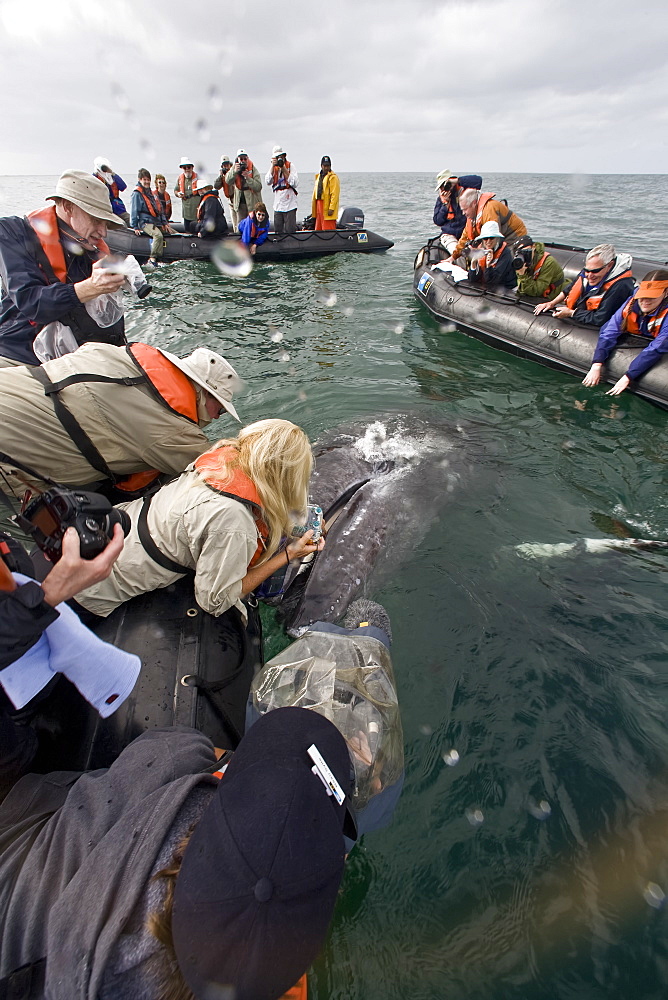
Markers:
{"x": 509, "y": 323}
{"x": 350, "y": 236}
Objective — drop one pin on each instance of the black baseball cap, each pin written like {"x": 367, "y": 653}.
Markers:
{"x": 325, "y": 162}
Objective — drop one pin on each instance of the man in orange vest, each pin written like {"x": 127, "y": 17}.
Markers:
{"x": 480, "y": 207}
{"x": 221, "y": 184}
{"x": 600, "y": 289}
{"x": 50, "y": 268}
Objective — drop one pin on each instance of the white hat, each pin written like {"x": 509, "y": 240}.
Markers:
{"x": 203, "y": 182}
{"x": 212, "y": 372}
{"x": 441, "y": 178}
{"x": 101, "y": 162}
{"x": 186, "y": 161}
{"x": 225, "y": 158}
{"x": 88, "y": 193}
{"x": 242, "y": 152}
{"x": 490, "y": 230}
{"x": 277, "y": 150}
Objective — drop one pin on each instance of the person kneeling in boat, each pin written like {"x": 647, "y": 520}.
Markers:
{"x": 493, "y": 267}
{"x": 211, "y": 222}
{"x": 162, "y": 875}
{"x": 480, "y": 207}
{"x": 601, "y": 287}
{"x": 254, "y": 229}
{"x": 539, "y": 274}
{"x": 447, "y": 211}
{"x": 645, "y": 314}
{"x": 146, "y": 216}
{"x": 224, "y": 519}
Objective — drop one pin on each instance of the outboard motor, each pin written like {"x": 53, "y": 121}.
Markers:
{"x": 351, "y": 218}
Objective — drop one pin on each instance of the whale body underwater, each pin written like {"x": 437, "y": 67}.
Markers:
{"x": 381, "y": 485}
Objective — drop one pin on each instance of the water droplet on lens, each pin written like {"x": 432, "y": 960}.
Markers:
{"x": 451, "y": 758}
{"x": 426, "y": 729}
{"x": 283, "y": 356}
{"x": 326, "y": 298}
{"x": 41, "y": 227}
{"x": 398, "y": 329}
{"x": 202, "y": 130}
{"x": 539, "y": 810}
{"x": 475, "y": 816}
{"x": 302, "y": 395}
{"x": 147, "y": 149}
{"x": 276, "y": 336}
{"x": 232, "y": 259}
{"x": 215, "y": 99}
{"x": 654, "y": 895}
{"x": 447, "y": 328}
{"x": 120, "y": 97}
{"x": 348, "y": 311}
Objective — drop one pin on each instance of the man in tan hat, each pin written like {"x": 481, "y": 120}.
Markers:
{"x": 107, "y": 412}
{"x": 49, "y": 264}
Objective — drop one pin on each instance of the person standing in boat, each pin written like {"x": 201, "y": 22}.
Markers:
{"x": 115, "y": 183}
{"x": 224, "y": 519}
{"x": 50, "y": 265}
{"x": 645, "y": 314}
{"x": 220, "y": 184}
{"x": 211, "y": 221}
{"x": 254, "y": 229}
{"x": 539, "y": 274}
{"x": 283, "y": 179}
{"x": 146, "y": 216}
{"x": 161, "y": 195}
{"x": 602, "y": 286}
{"x": 480, "y": 207}
{"x": 244, "y": 181}
{"x": 326, "y": 192}
{"x": 494, "y": 268}
{"x": 447, "y": 211}
{"x": 186, "y": 190}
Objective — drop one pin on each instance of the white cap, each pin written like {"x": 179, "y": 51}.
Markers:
{"x": 88, "y": 193}
{"x": 186, "y": 161}
{"x": 277, "y": 150}
{"x": 490, "y": 230}
{"x": 242, "y": 152}
{"x": 203, "y": 181}
{"x": 101, "y": 162}
{"x": 212, "y": 372}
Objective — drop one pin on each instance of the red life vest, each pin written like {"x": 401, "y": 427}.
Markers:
{"x": 482, "y": 264}
{"x": 159, "y": 198}
{"x": 239, "y": 487}
{"x": 238, "y": 182}
{"x": 148, "y": 200}
{"x": 473, "y": 226}
{"x": 173, "y": 387}
{"x": 631, "y": 317}
{"x": 593, "y": 301}
{"x": 182, "y": 184}
{"x": 44, "y": 221}
{"x": 200, "y": 208}
{"x": 226, "y": 188}
{"x": 278, "y": 181}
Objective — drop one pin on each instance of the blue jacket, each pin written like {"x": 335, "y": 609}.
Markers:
{"x": 455, "y": 227}
{"x": 31, "y": 298}
{"x": 117, "y": 206}
{"x": 612, "y": 332}
{"x": 139, "y": 213}
{"x": 245, "y": 227}
{"x": 501, "y": 275}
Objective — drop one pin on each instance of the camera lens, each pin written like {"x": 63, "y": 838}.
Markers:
{"x": 121, "y": 517}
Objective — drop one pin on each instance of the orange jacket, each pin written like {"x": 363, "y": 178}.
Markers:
{"x": 592, "y": 302}
{"x": 45, "y": 223}
{"x": 238, "y": 487}
{"x": 490, "y": 210}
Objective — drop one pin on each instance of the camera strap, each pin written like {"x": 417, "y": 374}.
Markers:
{"x": 149, "y": 546}
{"x": 70, "y": 423}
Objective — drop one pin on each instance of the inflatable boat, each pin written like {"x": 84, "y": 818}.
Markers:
{"x": 350, "y": 236}
{"x": 504, "y": 320}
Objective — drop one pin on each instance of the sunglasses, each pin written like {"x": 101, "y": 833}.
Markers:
{"x": 595, "y": 270}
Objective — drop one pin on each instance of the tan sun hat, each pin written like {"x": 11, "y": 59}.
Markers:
{"x": 212, "y": 372}
{"x": 441, "y": 178}
{"x": 88, "y": 193}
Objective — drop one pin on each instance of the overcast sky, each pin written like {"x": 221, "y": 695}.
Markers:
{"x": 481, "y": 85}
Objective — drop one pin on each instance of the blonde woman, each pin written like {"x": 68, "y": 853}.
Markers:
{"x": 224, "y": 519}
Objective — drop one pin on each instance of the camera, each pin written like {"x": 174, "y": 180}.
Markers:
{"x": 280, "y": 161}
{"x": 47, "y": 517}
{"x": 521, "y": 257}
{"x": 314, "y": 521}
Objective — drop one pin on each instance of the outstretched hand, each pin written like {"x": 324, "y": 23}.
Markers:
{"x": 72, "y": 574}
{"x": 593, "y": 376}
{"x": 623, "y": 383}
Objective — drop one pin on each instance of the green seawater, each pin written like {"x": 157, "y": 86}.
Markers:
{"x": 533, "y": 868}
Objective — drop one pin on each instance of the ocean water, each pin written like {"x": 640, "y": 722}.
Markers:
{"x": 536, "y": 866}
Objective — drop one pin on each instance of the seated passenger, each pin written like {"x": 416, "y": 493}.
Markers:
{"x": 645, "y": 314}
{"x": 494, "y": 268}
{"x": 211, "y": 222}
{"x": 254, "y": 228}
{"x": 480, "y": 207}
{"x": 539, "y": 274}
{"x": 223, "y": 519}
{"x": 162, "y": 196}
{"x": 447, "y": 212}
{"x": 601, "y": 287}
{"x": 146, "y": 216}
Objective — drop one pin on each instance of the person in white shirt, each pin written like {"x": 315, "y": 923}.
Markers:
{"x": 283, "y": 179}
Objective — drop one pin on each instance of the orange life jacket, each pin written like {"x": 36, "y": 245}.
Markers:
{"x": 473, "y": 226}
{"x": 238, "y": 182}
{"x": 44, "y": 221}
{"x": 168, "y": 202}
{"x": 239, "y": 487}
{"x": 226, "y": 188}
{"x": 482, "y": 264}
{"x": 536, "y": 271}
{"x": 200, "y": 207}
{"x": 173, "y": 387}
{"x": 277, "y": 177}
{"x": 631, "y": 317}
{"x": 151, "y": 205}
{"x": 593, "y": 301}
{"x": 182, "y": 184}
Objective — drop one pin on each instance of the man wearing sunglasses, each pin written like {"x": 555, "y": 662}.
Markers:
{"x": 600, "y": 289}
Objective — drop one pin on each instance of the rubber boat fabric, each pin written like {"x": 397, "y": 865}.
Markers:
{"x": 510, "y": 324}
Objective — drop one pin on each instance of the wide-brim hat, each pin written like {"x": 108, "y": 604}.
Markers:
{"x": 277, "y": 151}
{"x": 261, "y": 874}
{"x": 186, "y": 162}
{"x": 203, "y": 182}
{"x": 88, "y": 193}
{"x": 441, "y": 178}
{"x": 489, "y": 230}
{"x": 212, "y": 372}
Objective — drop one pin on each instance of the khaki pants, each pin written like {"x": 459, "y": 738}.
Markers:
{"x": 157, "y": 239}
{"x": 449, "y": 242}
{"x": 9, "y": 363}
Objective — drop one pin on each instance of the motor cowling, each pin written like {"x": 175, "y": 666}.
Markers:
{"x": 351, "y": 218}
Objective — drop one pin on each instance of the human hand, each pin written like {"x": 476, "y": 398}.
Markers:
{"x": 542, "y": 307}
{"x": 304, "y": 546}
{"x": 101, "y": 282}
{"x": 522, "y": 270}
{"x": 72, "y": 574}
{"x": 563, "y": 312}
{"x": 623, "y": 383}
{"x": 593, "y": 376}
{"x": 253, "y": 248}
{"x": 489, "y": 257}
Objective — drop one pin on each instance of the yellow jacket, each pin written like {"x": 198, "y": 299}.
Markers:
{"x": 331, "y": 189}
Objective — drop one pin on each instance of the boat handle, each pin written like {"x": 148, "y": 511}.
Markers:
{"x": 192, "y": 612}
{"x": 193, "y": 245}
{"x": 450, "y": 299}
{"x": 555, "y": 333}
{"x": 188, "y": 680}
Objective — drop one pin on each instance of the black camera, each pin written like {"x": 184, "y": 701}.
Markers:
{"x": 521, "y": 257}
{"x": 47, "y": 517}
{"x": 280, "y": 161}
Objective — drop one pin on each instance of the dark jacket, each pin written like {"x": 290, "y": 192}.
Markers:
{"x": 613, "y": 331}
{"x": 211, "y": 221}
{"x": 501, "y": 274}
{"x": 77, "y": 851}
{"x": 32, "y": 296}
{"x": 139, "y": 213}
{"x": 246, "y": 231}
{"x": 455, "y": 227}
{"x": 613, "y": 298}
